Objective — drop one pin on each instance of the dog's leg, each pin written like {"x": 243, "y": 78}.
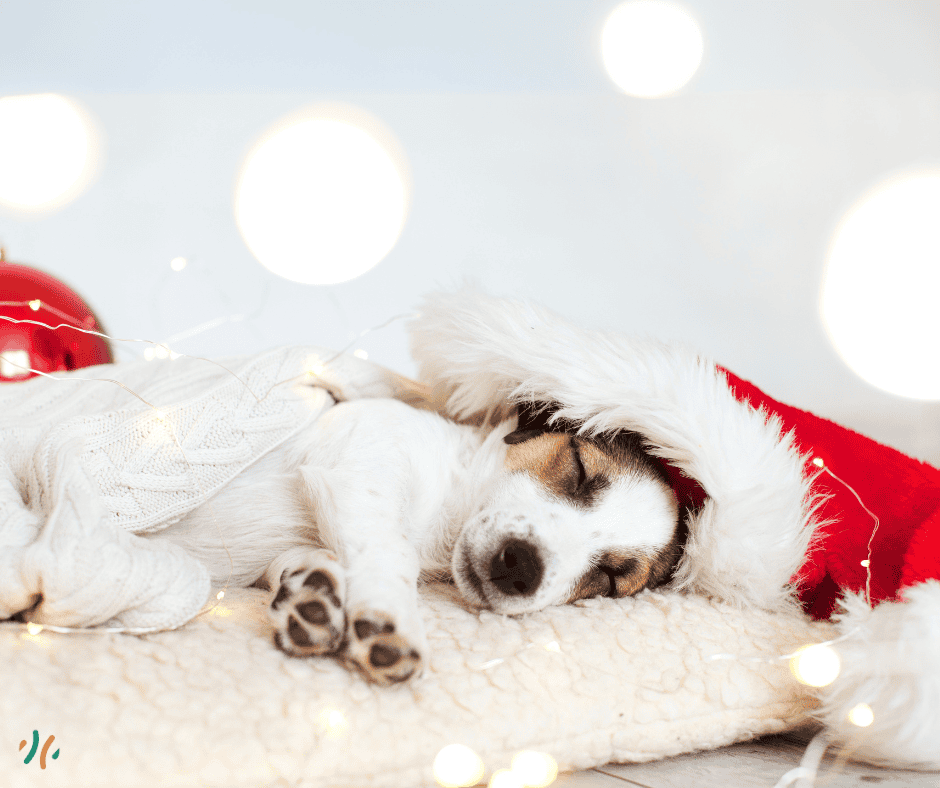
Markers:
{"x": 363, "y": 523}
{"x": 386, "y": 640}
{"x": 308, "y": 610}
{"x": 373, "y": 480}
{"x": 377, "y": 593}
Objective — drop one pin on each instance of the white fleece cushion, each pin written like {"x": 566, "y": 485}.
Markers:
{"x": 215, "y": 704}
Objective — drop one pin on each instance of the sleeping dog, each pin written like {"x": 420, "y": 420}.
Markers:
{"x": 345, "y": 518}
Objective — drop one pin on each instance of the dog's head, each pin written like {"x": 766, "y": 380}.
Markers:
{"x": 568, "y": 517}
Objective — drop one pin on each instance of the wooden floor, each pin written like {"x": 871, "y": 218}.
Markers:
{"x": 756, "y": 764}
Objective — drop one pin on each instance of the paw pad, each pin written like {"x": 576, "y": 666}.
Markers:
{"x": 314, "y": 612}
{"x": 310, "y": 619}
{"x": 307, "y": 612}
{"x": 381, "y": 654}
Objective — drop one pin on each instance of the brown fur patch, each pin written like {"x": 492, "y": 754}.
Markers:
{"x": 616, "y": 573}
{"x": 569, "y": 466}
{"x": 620, "y": 573}
{"x": 547, "y": 457}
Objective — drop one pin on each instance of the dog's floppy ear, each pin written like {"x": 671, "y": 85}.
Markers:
{"x": 533, "y": 421}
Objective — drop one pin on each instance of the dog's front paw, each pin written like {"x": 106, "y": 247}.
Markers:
{"x": 307, "y": 611}
{"x": 383, "y": 655}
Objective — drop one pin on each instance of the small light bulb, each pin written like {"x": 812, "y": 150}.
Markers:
{"x": 456, "y": 766}
{"x": 313, "y": 365}
{"x": 33, "y": 629}
{"x": 535, "y": 769}
{"x": 360, "y": 353}
{"x": 818, "y": 462}
{"x": 553, "y": 646}
{"x": 505, "y": 778}
{"x": 333, "y": 722}
{"x": 161, "y": 351}
{"x": 178, "y": 263}
{"x": 861, "y": 715}
{"x": 149, "y": 353}
{"x": 866, "y": 563}
{"x": 35, "y": 304}
{"x": 220, "y": 595}
{"x": 815, "y": 666}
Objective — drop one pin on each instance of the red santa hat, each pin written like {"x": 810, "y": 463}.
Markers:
{"x": 787, "y": 511}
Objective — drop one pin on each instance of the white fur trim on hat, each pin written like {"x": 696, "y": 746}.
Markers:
{"x": 889, "y": 661}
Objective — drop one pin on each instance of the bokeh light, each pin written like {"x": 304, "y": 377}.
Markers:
{"x": 456, "y": 766}
{"x": 14, "y": 364}
{"x": 320, "y": 200}
{"x": 861, "y": 715}
{"x": 46, "y": 151}
{"x": 815, "y": 666}
{"x": 879, "y": 290}
{"x": 535, "y": 769}
{"x": 651, "y": 48}
{"x": 505, "y": 778}
{"x": 333, "y": 723}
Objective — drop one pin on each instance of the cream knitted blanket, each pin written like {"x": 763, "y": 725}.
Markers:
{"x": 91, "y": 459}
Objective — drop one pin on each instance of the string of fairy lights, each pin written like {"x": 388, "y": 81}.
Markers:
{"x": 456, "y": 765}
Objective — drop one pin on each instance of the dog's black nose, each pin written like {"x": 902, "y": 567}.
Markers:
{"x": 517, "y": 569}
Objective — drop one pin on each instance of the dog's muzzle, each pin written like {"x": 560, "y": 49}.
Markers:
{"x": 517, "y": 569}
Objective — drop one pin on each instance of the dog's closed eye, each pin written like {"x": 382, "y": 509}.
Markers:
{"x": 579, "y": 467}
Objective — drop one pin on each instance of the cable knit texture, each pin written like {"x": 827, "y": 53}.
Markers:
{"x": 87, "y": 465}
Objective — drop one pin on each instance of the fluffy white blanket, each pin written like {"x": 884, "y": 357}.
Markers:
{"x": 215, "y": 704}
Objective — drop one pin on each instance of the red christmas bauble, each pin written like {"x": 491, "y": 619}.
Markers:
{"x": 30, "y": 295}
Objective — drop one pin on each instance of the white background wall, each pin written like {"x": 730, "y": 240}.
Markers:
{"x": 704, "y": 217}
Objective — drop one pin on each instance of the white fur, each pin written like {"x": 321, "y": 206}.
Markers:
{"x": 891, "y": 662}
{"x": 363, "y": 466}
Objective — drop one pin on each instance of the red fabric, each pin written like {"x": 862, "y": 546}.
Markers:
{"x": 903, "y": 492}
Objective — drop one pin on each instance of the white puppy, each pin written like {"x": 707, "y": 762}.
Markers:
{"x": 345, "y": 518}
